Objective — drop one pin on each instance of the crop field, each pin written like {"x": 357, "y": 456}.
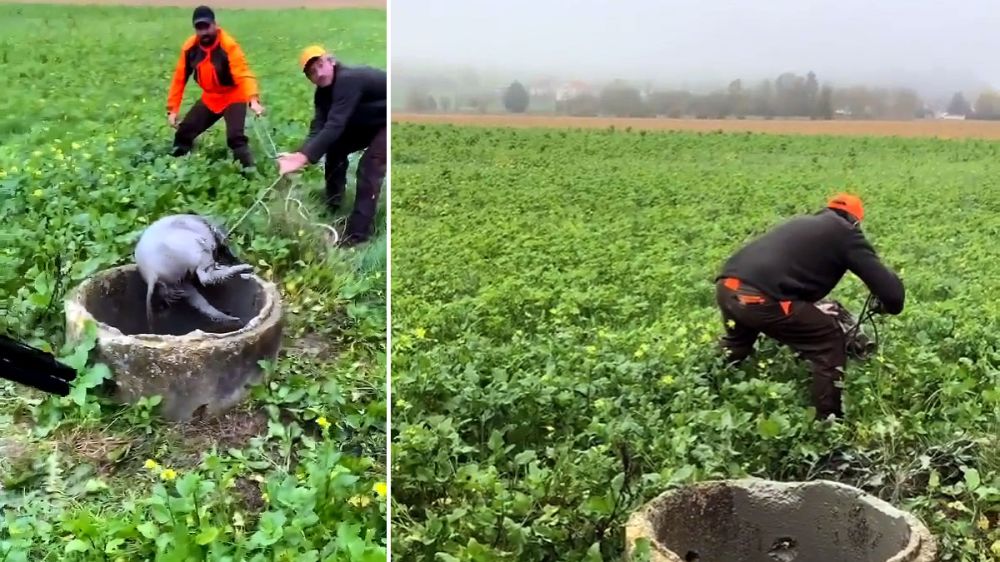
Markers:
{"x": 920, "y": 128}
{"x": 297, "y": 472}
{"x": 554, "y": 333}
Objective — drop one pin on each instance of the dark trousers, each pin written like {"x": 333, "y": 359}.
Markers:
{"x": 200, "y": 118}
{"x": 800, "y": 325}
{"x": 370, "y": 174}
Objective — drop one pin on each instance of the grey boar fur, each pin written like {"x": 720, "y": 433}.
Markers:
{"x": 175, "y": 251}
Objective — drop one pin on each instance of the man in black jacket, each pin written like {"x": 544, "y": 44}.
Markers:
{"x": 770, "y": 287}
{"x": 350, "y": 116}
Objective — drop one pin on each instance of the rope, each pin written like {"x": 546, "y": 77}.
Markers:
{"x": 255, "y": 203}
{"x": 867, "y": 315}
{"x": 273, "y": 155}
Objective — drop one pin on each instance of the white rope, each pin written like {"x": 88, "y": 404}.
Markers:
{"x": 255, "y": 203}
{"x": 288, "y": 196}
{"x": 273, "y": 155}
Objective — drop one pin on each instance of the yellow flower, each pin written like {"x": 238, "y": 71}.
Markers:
{"x": 265, "y": 497}
{"x": 38, "y": 193}
{"x": 667, "y": 380}
{"x": 420, "y": 332}
{"x": 591, "y": 349}
{"x": 380, "y": 489}
{"x": 983, "y": 523}
{"x": 168, "y": 474}
{"x": 322, "y": 422}
{"x": 151, "y": 464}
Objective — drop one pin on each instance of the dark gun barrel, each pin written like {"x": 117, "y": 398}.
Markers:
{"x": 33, "y": 367}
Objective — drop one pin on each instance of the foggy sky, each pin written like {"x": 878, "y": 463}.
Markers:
{"x": 841, "y": 40}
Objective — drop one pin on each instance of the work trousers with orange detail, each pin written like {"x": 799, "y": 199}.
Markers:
{"x": 747, "y": 312}
{"x": 200, "y": 118}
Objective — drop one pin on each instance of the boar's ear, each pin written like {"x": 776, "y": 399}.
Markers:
{"x": 218, "y": 229}
{"x": 224, "y": 255}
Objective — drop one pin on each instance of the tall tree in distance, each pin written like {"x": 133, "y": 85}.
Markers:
{"x": 958, "y": 105}
{"x": 988, "y": 105}
{"x": 824, "y": 104}
{"x": 516, "y": 98}
{"x": 811, "y": 95}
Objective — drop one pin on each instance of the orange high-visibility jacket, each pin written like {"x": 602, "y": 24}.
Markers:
{"x": 221, "y": 70}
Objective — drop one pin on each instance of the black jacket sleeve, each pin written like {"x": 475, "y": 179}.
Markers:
{"x": 318, "y": 120}
{"x": 346, "y": 96}
{"x": 880, "y": 280}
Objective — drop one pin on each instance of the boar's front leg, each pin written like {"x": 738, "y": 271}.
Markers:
{"x": 195, "y": 299}
{"x": 212, "y": 274}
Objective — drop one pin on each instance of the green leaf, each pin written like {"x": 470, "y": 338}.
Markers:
{"x": 769, "y": 427}
{"x": 972, "y": 480}
{"x": 594, "y": 553}
{"x": 525, "y": 457}
{"x": 76, "y": 545}
{"x": 148, "y": 530}
{"x": 188, "y": 484}
{"x": 96, "y": 484}
{"x": 600, "y": 505}
{"x": 207, "y": 535}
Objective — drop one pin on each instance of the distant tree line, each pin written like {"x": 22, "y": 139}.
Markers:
{"x": 788, "y": 96}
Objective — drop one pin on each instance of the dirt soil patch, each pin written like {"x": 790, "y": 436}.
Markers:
{"x": 939, "y": 128}
{"x": 227, "y": 4}
{"x": 233, "y": 429}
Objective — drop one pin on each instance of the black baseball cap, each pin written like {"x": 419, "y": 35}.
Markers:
{"x": 203, "y": 14}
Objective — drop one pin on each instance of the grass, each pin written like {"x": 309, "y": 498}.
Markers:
{"x": 295, "y": 473}
{"x": 554, "y": 334}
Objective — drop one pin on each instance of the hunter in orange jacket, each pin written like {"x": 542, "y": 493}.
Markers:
{"x": 217, "y": 63}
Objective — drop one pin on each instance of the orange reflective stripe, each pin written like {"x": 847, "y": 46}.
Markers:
{"x": 731, "y": 283}
{"x": 787, "y": 307}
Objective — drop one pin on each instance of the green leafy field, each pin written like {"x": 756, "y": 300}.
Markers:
{"x": 296, "y": 473}
{"x": 554, "y": 334}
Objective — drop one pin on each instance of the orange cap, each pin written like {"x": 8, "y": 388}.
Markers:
{"x": 309, "y": 53}
{"x": 848, "y": 203}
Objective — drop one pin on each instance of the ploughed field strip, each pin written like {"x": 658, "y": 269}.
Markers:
{"x": 297, "y": 466}
{"x": 554, "y": 330}
{"x": 921, "y": 128}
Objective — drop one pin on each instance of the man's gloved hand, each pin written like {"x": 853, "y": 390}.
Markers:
{"x": 827, "y": 308}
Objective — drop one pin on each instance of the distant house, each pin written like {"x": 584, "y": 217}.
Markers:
{"x": 572, "y": 90}
{"x": 542, "y": 89}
